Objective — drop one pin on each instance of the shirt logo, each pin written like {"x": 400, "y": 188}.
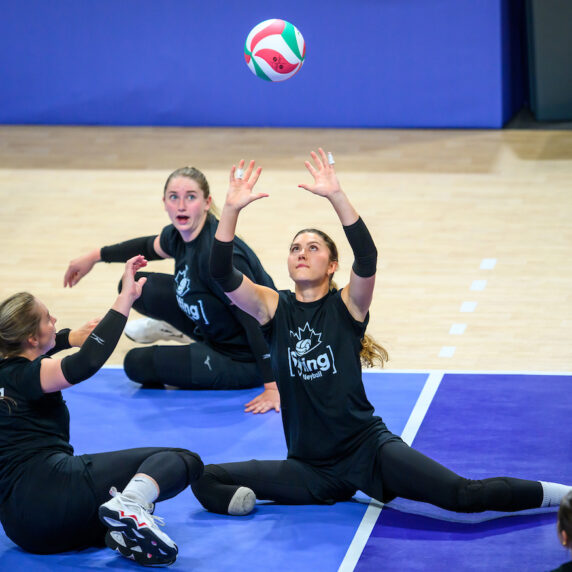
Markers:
{"x": 96, "y": 338}
{"x": 183, "y": 281}
{"x": 305, "y": 359}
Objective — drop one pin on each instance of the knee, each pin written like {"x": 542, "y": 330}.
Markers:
{"x": 470, "y": 496}
{"x": 139, "y": 366}
{"x": 212, "y": 488}
{"x": 486, "y": 494}
{"x": 193, "y": 462}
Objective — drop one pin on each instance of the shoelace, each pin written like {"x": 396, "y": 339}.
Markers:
{"x": 150, "y": 507}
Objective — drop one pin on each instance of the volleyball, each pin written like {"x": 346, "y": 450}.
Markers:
{"x": 274, "y": 50}
{"x": 303, "y": 347}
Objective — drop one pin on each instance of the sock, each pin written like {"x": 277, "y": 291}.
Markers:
{"x": 552, "y": 493}
{"x": 142, "y": 489}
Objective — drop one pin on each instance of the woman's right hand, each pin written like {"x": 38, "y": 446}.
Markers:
{"x": 241, "y": 188}
{"x": 81, "y": 266}
{"x": 130, "y": 288}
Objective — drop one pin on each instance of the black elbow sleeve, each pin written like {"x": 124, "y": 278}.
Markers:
{"x": 221, "y": 268}
{"x": 363, "y": 247}
{"x": 123, "y": 251}
{"x": 96, "y": 349}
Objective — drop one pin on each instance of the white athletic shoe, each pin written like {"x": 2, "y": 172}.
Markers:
{"x": 242, "y": 502}
{"x": 133, "y": 532}
{"x": 148, "y": 330}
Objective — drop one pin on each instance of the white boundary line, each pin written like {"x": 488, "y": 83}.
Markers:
{"x": 373, "y": 510}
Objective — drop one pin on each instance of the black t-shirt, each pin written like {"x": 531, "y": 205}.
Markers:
{"x": 32, "y": 422}
{"x": 315, "y": 350}
{"x": 566, "y": 567}
{"x": 201, "y": 298}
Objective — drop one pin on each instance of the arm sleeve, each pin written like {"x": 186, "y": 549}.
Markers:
{"x": 221, "y": 268}
{"x": 62, "y": 342}
{"x": 363, "y": 247}
{"x": 257, "y": 344}
{"x": 123, "y": 251}
{"x": 95, "y": 350}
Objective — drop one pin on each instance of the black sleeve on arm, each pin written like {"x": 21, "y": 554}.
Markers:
{"x": 365, "y": 252}
{"x": 95, "y": 350}
{"x": 221, "y": 268}
{"x": 123, "y": 251}
{"x": 257, "y": 343}
{"x": 62, "y": 342}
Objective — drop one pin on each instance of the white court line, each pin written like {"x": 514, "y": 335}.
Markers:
{"x": 468, "y": 307}
{"x": 478, "y": 285}
{"x": 372, "y": 513}
{"x": 447, "y": 351}
{"x": 488, "y": 263}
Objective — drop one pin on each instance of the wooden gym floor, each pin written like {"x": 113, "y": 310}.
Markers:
{"x": 473, "y": 227}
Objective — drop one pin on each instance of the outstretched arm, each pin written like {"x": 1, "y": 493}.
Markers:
{"x": 58, "y": 374}
{"x": 148, "y": 246}
{"x": 258, "y": 301}
{"x": 357, "y": 295}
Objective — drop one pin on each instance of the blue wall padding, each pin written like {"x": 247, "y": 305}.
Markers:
{"x": 369, "y": 63}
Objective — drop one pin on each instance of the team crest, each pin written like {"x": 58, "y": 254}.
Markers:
{"x": 183, "y": 281}
{"x": 304, "y": 357}
{"x": 306, "y": 340}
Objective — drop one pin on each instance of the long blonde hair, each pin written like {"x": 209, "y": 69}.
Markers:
{"x": 19, "y": 319}
{"x": 371, "y": 352}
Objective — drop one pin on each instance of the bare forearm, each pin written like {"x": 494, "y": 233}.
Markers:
{"x": 227, "y": 224}
{"x": 344, "y": 209}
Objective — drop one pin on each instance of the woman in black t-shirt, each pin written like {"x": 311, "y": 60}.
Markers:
{"x": 336, "y": 445}
{"x": 229, "y": 350}
{"x": 51, "y": 500}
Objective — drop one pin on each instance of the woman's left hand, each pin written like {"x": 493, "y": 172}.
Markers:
{"x": 267, "y": 400}
{"x": 326, "y": 182}
{"x": 77, "y": 337}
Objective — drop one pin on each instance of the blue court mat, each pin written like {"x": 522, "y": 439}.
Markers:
{"x": 108, "y": 412}
{"x": 483, "y": 426}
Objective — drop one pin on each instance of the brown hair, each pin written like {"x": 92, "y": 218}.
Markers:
{"x": 195, "y": 175}
{"x": 371, "y": 353}
{"x": 565, "y": 517}
{"x": 19, "y": 319}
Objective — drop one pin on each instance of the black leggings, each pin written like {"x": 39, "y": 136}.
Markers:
{"x": 194, "y": 366}
{"x": 54, "y": 505}
{"x": 396, "y": 470}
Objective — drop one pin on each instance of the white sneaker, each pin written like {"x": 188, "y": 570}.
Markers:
{"x": 242, "y": 502}
{"x": 148, "y": 330}
{"x": 133, "y": 532}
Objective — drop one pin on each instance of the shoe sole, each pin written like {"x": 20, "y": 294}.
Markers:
{"x": 181, "y": 339}
{"x": 140, "y": 544}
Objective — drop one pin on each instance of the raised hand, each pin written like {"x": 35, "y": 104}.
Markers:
{"x": 130, "y": 287}
{"x": 241, "y": 188}
{"x": 325, "y": 180}
{"x": 79, "y": 267}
